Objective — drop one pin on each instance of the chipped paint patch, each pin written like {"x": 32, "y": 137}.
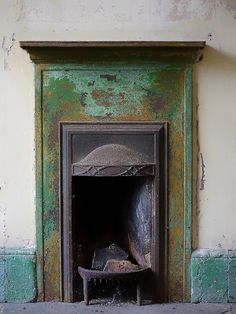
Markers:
{"x": 203, "y": 173}
{"x": 230, "y": 6}
{"x": 7, "y": 45}
{"x": 183, "y": 10}
{"x": 17, "y": 275}
{"x": 117, "y": 92}
{"x": 213, "y": 273}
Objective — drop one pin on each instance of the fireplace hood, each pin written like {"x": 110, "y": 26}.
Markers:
{"x": 113, "y": 160}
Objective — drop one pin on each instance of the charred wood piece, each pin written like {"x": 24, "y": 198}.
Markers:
{"x": 113, "y": 265}
{"x": 102, "y": 255}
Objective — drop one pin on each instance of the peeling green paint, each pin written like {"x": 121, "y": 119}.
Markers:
{"x": 132, "y": 92}
{"x": 213, "y": 275}
{"x": 17, "y": 275}
{"x": 232, "y": 278}
{"x": 114, "y": 92}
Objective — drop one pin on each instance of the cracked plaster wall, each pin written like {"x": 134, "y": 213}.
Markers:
{"x": 215, "y": 95}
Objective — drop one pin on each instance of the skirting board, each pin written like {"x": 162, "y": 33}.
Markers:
{"x": 213, "y": 276}
{"x": 17, "y": 275}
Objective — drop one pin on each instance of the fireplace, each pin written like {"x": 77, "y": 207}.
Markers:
{"x": 91, "y": 99}
{"x": 114, "y": 209}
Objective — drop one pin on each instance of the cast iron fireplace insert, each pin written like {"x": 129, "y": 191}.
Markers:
{"x": 114, "y": 189}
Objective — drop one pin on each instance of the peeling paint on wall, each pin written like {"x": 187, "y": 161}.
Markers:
{"x": 3, "y": 212}
{"x": 185, "y": 10}
{"x": 229, "y": 5}
{"x": 203, "y": 175}
{"x": 181, "y": 10}
{"x": 7, "y": 45}
{"x": 118, "y": 13}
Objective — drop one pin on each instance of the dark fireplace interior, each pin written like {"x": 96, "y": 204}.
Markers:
{"x": 106, "y": 211}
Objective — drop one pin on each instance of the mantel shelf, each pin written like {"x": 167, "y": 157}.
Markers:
{"x": 76, "y": 51}
{"x": 73, "y": 44}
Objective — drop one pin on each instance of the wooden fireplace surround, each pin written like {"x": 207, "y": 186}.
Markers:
{"x": 113, "y": 82}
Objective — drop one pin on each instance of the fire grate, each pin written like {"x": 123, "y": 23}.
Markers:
{"x": 138, "y": 276}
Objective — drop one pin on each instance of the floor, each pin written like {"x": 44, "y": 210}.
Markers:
{"x": 80, "y": 308}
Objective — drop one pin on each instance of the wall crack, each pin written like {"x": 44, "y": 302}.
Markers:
{"x": 203, "y": 173}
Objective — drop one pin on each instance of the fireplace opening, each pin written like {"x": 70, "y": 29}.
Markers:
{"x": 113, "y": 213}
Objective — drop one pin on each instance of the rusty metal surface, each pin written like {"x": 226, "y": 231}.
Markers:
{"x": 113, "y": 160}
{"x": 113, "y": 155}
{"x": 119, "y": 90}
{"x": 113, "y": 171}
{"x": 135, "y": 275}
{"x": 110, "y": 275}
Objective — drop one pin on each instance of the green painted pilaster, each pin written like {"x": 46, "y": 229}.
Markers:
{"x": 17, "y": 275}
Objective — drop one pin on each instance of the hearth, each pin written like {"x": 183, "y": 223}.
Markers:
{"x": 113, "y": 183}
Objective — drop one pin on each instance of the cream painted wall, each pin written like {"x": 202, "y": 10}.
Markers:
{"x": 215, "y": 86}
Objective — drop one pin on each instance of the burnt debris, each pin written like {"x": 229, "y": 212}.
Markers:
{"x": 103, "y": 255}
